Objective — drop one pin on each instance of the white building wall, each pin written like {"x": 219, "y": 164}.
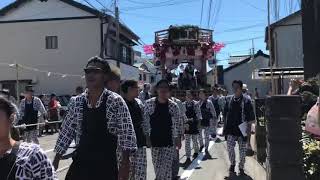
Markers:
{"x": 34, "y": 9}
{"x": 24, "y": 43}
{"x": 244, "y": 72}
{"x": 127, "y": 72}
{"x": 210, "y": 78}
{"x": 288, "y": 43}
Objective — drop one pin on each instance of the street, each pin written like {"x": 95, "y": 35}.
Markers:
{"x": 149, "y": 72}
{"x": 215, "y": 168}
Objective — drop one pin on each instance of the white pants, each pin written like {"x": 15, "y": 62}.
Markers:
{"x": 194, "y": 138}
{"x": 206, "y": 138}
{"x": 231, "y": 144}
{"x": 162, "y": 159}
{"x": 138, "y": 169}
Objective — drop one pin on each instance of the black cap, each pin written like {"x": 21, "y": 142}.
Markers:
{"x": 163, "y": 81}
{"x": 105, "y": 65}
{"x": 29, "y": 88}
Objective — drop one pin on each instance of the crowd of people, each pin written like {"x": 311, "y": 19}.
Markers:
{"x": 112, "y": 125}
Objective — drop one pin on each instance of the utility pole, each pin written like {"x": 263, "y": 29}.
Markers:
{"x": 117, "y": 48}
{"x": 253, "y": 49}
{"x": 17, "y": 83}
{"x": 270, "y": 50}
{"x": 252, "y": 59}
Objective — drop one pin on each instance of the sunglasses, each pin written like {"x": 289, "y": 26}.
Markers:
{"x": 95, "y": 71}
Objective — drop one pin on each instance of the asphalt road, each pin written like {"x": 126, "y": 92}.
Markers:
{"x": 202, "y": 168}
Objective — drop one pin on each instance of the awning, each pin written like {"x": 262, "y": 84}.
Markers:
{"x": 278, "y": 73}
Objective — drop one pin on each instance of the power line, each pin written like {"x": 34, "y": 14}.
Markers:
{"x": 230, "y": 52}
{"x": 90, "y": 5}
{"x": 209, "y": 13}
{"x": 201, "y": 13}
{"x": 285, "y": 8}
{"x": 147, "y": 3}
{"x": 216, "y": 17}
{"x": 154, "y": 17}
{"x": 277, "y": 9}
{"x": 252, "y": 5}
{"x": 106, "y": 9}
{"x": 214, "y": 11}
{"x": 182, "y": 19}
{"x": 240, "y": 28}
{"x": 298, "y": 4}
{"x": 161, "y": 5}
{"x": 243, "y": 40}
{"x": 290, "y": 6}
{"x": 101, "y": 4}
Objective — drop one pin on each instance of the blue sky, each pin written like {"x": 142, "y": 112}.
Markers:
{"x": 234, "y": 20}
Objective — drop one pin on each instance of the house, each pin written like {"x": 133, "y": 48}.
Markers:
{"x": 128, "y": 72}
{"x": 51, "y": 41}
{"x": 236, "y": 59}
{"x": 148, "y": 73}
{"x": 243, "y": 71}
{"x": 287, "y": 46}
{"x": 215, "y": 76}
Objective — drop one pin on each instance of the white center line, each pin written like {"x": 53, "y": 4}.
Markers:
{"x": 51, "y": 150}
{"x": 62, "y": 169}
{"x": 195, "y": 163}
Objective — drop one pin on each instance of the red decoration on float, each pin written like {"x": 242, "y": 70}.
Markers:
{"x": 217, "y": 47}
{"x": 191, "y": 51}
{"x": 148, "y": 49}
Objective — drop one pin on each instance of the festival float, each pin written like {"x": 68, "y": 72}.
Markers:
{"x": 186, "y": 48}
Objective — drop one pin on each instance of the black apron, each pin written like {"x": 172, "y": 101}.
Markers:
{"x": 147, "y": 96}
{"x": 161, "y": 126}
{"x": 95, "y": 157}
{"x": 8, "y": 167}
{"x": 137, "y": 120}
{"x": 206, "y": 115}
{"x": 193, "y": 124}
{"x": 30, "y": 116}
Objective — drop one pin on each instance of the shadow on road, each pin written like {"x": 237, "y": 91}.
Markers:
{"x": 208, "y": 157}
{"x": 235, "y": 177}
{"x": 185, "y": 165}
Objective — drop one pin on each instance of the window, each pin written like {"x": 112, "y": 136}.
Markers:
{"x": 140, "y": 77}
{"x": 152, "y": 80}
{"x": 51, "y": 42}
{"x": 144, "y": 77}
{"x": 125, "y": 54}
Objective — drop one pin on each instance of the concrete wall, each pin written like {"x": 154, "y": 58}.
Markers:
{"x": 244, "y": 72}
{"x": 24, "y": 43}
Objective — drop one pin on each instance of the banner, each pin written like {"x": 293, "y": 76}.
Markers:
{"x": 148, "y": 49}
{"x": 217, "y": 47}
